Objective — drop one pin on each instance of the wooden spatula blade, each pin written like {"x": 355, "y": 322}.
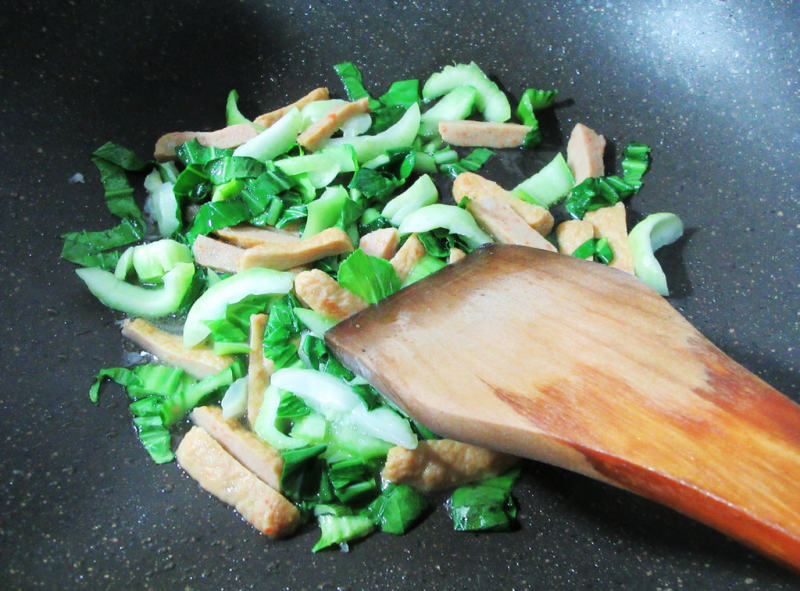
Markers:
{"x": 582, "y": 366}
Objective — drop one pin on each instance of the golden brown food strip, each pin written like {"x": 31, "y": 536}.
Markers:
{"x": 443, "y": 463}
{"x": 219, "y": 473}
{"x": 246, "y": 236}
{"x": 227, "y": 137}
{"x": 313, "y": 136}
{"x": 609, "y": 222}
{"x": 319, "y": 291}
{"x": 483, "y": 133}
{"x": 259, "y": 369}
{"x": 456, "y": 254}
{"x": 216, "y": 254}
{"x": 585, "y": 153}
{"x": 267, "y": 119}
{"x": 408, "y": 256}
{"x": 198, "y": 362}
{"x": 505, "y": 224}
{"x": 329, "y": 242}
{"x": 255, "y": 455}
{"x": 571, "y": 234}
{"x": 469, "y": 184}
{"x": 380, "y": 243}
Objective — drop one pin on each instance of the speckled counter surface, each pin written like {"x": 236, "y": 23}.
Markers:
{"x": 712, "y": 86}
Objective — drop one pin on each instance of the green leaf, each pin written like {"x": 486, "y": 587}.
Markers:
{"x": 484, "y": 506}
{"x": 470, "y": 163}
{"x": 397, "y": 508}
{"x": 350, "y": 76}
{"x": 402, "y": 93}
{"x": 338, "y": 530}
{"x": 370, "y": 277}
{"x": 303, "y": 476}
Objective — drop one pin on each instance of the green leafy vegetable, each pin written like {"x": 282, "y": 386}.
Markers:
{"x": 350, "y": 76}
{"x": 338, "y": 530}
{"x": 470, "y": 163}
{"x": 397, "y": 508}
{"x": 487, "y": 505}
{"x": 370, "y": 277}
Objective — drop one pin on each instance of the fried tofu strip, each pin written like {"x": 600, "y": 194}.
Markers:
{"x": 456, "y": 254}
{"x": 585, "y": 153}
{"x": 255, "y": 455}
{"x": 246, "y": 236}
{"x": 380, "y": 243}
{"x": 469, "y": 184}
{"x": 267, "y": 119}
{"x": 504, "y": 224}
{"x": 609, "y": 222}
{"x": 408, "y": 256}
{"x": 319, "y": 291}
{"x": 259, "y": 369}
{"x": 443, "y": 463}
{"x": 571, "y": 234}
{"x": 198, "y": 362}
{"x": 219, "y": 473}
{"x": 313, "y": 137}
{"x": 329, "y": 242}
{"x": 483, "y": 133}
{"x": 227, "y": 137}
{"x": 216, "y": 254}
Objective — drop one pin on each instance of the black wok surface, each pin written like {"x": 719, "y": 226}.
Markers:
{"x": 711, "y": 86}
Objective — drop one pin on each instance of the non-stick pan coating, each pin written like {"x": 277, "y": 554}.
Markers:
{"x": 711, "y": 86}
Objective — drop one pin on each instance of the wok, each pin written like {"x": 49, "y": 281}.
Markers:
{"x": 711, "y": 86}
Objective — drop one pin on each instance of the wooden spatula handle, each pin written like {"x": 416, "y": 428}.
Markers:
{"x": 582, "y": 366}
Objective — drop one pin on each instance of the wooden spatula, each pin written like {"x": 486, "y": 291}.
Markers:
{"x": 572, "y": 363}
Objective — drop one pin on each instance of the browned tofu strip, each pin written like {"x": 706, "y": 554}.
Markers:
{"x": 227, "y": 137}
{"x": 609, "y": 222}
{"x": 456, "y": 254}
{"x": 319, "y": 291}
{"x": 219, "y": 473}
{"x": 255, "y": 455}
{"x": 329, "y": 242}
{"x": 408, "y": 256}
{"x": 483, "y": 133}
{"x": 505, "y": 224}
{"x": 267, "y": 119}
{"x": 259, "y": 369}
{"x": 216, "y": 254}
{"x": 247, "y": 236}
{"x": 585, "y": 153}
{"x": 443, "y": 463}
{"x": 380, "y": 243}
{"x": 198, "y": 362}
{"x": 571, "y": 234}
{"x": 313, "y": 137}
{"x": 469, "y": 184}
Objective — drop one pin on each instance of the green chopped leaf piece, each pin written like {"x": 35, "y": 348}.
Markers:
{"x": 585, "y": 250}
{"x": 303, "y": 475}
{"x": 339, "y": 530}
{"x": 370, "y": 277}
{"x": 397, "y": 508}
{"x": 350, "y": 76}
{"x": 534, "y": 99}
{"x": 487, "y": 505}
{"x": 470, "y": 163}
{"x": 402, "y": 93}
{"x": 353, "y": 479}
{"x": 193, "y": 152}
{"x": 635, "y": 162}
{"x": 603, "y": 252}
